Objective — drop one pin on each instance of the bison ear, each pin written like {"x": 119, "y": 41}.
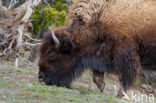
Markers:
{"x": 67, "y": 45}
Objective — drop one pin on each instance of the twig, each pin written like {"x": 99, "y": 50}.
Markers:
{"x": 12, "y": 3}
{"x": 36, "y": 3}
{"x": 45, "y": 1}
{"x": 9, "y": 48}
{"x": 2, "y": 43}
{"x": 27, "y": 61}
{"x": 16, "y": 62}
{"x": 32, "y": 38}
{"x": 29, "y": 44}
{"x": 11, "y": 43}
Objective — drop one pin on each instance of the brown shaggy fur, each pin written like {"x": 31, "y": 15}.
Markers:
{"x": 109, "y": 35}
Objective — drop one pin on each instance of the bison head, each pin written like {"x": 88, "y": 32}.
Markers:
{"x": 56, "y": 59}
{"x": 63, "y": 58}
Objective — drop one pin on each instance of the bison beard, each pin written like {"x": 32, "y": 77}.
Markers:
{"x": 102, "y": 36}
{"x": 64, "y": 80}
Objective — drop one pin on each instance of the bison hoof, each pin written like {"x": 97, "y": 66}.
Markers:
{"x": 123, "y": 95}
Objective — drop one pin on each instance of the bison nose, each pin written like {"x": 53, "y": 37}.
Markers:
{"x": 102, "y": 87}
{"x": 40, "y": 77}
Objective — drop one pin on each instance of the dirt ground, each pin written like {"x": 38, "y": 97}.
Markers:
{"x": 21, "y": 85}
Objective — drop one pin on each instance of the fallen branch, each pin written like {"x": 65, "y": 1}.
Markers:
{"x": 19, "y": 58}
{"x": 14, "y": 26}
{"x": 29, "y": 44}
{"x": 23, "y": 59}
{"x": 36, "y": 40}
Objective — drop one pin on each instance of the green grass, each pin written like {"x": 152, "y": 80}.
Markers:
{"x": 5, "y": 84}
{"x": 21, "y": 86}
{"x": 11, "y": 66}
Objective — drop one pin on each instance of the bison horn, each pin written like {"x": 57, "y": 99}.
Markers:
{"x": 56, "y": 41}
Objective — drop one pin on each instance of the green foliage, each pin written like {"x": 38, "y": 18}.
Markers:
{"x": 60, "y": 5}
{"x": 55, "y": 15}
{"x": 74, "y": 1}
{"x": 138, "y": 81}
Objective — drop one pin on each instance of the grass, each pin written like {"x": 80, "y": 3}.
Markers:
{"x": 20, "y": 85}
{"x": 5, "y": 84}
{"x": 10, "y": 65}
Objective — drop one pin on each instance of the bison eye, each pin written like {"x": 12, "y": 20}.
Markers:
{"x": 52, "y": 57}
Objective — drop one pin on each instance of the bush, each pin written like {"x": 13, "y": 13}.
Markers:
{"x": 55, "y": 15}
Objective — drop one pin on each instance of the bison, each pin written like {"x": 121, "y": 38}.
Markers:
{"x": 102, "y": 36}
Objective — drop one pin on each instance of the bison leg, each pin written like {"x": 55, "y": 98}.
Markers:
{"x": 122, "y": 93}
{"x": 127, "y": 63}
{"x": 98, "y": 79}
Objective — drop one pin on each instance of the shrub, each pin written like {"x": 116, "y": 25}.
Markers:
{"x": 55, "y": 15}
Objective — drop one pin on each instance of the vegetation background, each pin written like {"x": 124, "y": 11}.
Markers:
{"x": 19, "y": 83}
